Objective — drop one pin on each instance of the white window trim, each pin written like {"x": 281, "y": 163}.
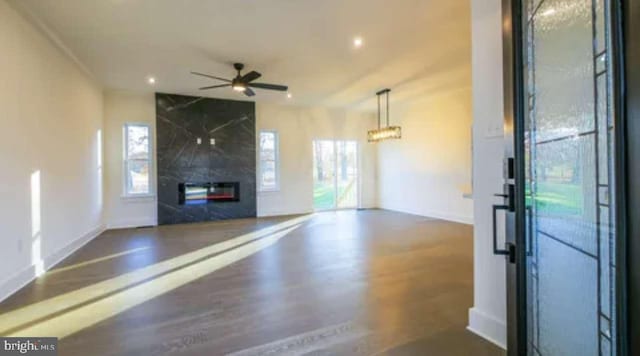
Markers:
{"x": 125, "y": 139}
{"x": 262, "y": 189}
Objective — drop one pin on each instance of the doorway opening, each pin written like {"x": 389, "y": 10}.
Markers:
{"x": 335, "y": 175}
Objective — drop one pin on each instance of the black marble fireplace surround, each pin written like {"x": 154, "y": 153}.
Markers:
{"x": 180, "y": 122}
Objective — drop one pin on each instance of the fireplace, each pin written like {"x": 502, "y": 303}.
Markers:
{"x": 205, "y": 193}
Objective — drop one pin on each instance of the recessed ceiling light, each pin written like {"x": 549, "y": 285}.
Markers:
{"x": 549, "y": 12}
{"x": 151, "y": 80}
{"x": 358, "y": 42}
{"x": 289, "y": 96}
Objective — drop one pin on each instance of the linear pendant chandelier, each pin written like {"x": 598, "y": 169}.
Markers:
{"x": 388, "y": 132}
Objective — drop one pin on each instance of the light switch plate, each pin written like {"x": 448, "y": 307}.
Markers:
{"x": 494, "y": 130}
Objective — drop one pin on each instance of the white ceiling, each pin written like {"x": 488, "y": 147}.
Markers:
{"x": 415, "y": 47}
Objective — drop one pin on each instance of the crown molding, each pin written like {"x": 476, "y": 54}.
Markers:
{"x": 51, "y": 35}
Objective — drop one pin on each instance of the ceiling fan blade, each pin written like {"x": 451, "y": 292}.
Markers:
{"x": 249, "y": 92}
{"x": 269, "y": 86}
{"x": 251, "y": 76}
{"x": 211, "y": 76}
{"x": 215, "y": 86}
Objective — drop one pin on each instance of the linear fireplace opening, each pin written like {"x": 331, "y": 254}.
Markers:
{"x": 205, "y": 193}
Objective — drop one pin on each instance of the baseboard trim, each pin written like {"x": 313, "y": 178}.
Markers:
{"x": 467, "y": 220}
{"x": 269, "y": 214}
{"x": 462, "y": 219}
{"x": 17, "y": 282}
{"x": 57, "y": 257}
{"x": 27, "y": 275}
{"x": 132, "y": 223}
{"x": 488, "y": 327}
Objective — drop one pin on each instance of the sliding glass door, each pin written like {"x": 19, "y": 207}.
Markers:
{"x": 347, "y": 178}
{"x": 324, "y": 165}
{"x": 335, "y": 174}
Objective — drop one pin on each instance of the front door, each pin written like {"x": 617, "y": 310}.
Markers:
{"x": 569, "y": 160}
{"x": 561, "y": 178}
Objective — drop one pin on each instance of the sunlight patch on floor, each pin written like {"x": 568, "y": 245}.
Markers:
{"x": 96, "y": 260}
{"x": 11, "y": 321}
{"x": 88, "y": 315}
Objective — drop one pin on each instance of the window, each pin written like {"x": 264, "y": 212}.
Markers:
{"x": 137, "y": 159}
{"x": 268, "y": 179}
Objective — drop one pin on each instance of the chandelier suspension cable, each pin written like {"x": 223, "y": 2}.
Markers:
{"x": 388, "y": 132}
{"x": 387, "y": 94}
{"x": 378, "y": 112}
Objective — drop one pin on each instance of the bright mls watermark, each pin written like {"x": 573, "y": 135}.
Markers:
{"x": 32, "y": 346}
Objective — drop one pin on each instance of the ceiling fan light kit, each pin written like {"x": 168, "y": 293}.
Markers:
{"x": 242, "y": 83}
{"x": 239, "y": 87}
{"x": 388, "y": 132}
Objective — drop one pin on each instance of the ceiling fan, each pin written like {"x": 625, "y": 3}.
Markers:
{"x": 242, "y": 83}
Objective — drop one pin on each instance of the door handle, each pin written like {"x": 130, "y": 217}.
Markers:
{"x": 497, "y": 251}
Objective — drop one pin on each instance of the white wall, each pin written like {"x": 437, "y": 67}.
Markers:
{"x": 297, "y": 128}
{"x": 120, "y": 108}
{"x": 51, "y": 116}
{"x": 429, "y": 169}
{"x": 488, "y": 315}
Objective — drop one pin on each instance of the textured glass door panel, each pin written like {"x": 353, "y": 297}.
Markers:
{"x": 568, "y": 164}
{"x": 567, "y": 300}
{"x": 563, "y": 65}
{"x": 565, "y": 186}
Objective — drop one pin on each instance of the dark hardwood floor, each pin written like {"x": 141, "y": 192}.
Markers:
{"x": 347, "y": 283}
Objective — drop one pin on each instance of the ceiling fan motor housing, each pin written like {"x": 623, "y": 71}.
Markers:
{"x": 238, "y": 85}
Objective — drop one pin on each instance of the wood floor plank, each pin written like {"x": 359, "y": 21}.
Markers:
{"x": 347, "y": 283}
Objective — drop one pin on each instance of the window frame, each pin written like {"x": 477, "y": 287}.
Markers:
{"x": 276, "y": 161}
{"x": 125, "y": 160}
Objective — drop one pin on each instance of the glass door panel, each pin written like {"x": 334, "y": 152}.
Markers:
{"x": 569, "y": 160}
{"x": 324, "y": 182}
{"x": 335, "y": 174}
{"x": 347, "y": 179}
